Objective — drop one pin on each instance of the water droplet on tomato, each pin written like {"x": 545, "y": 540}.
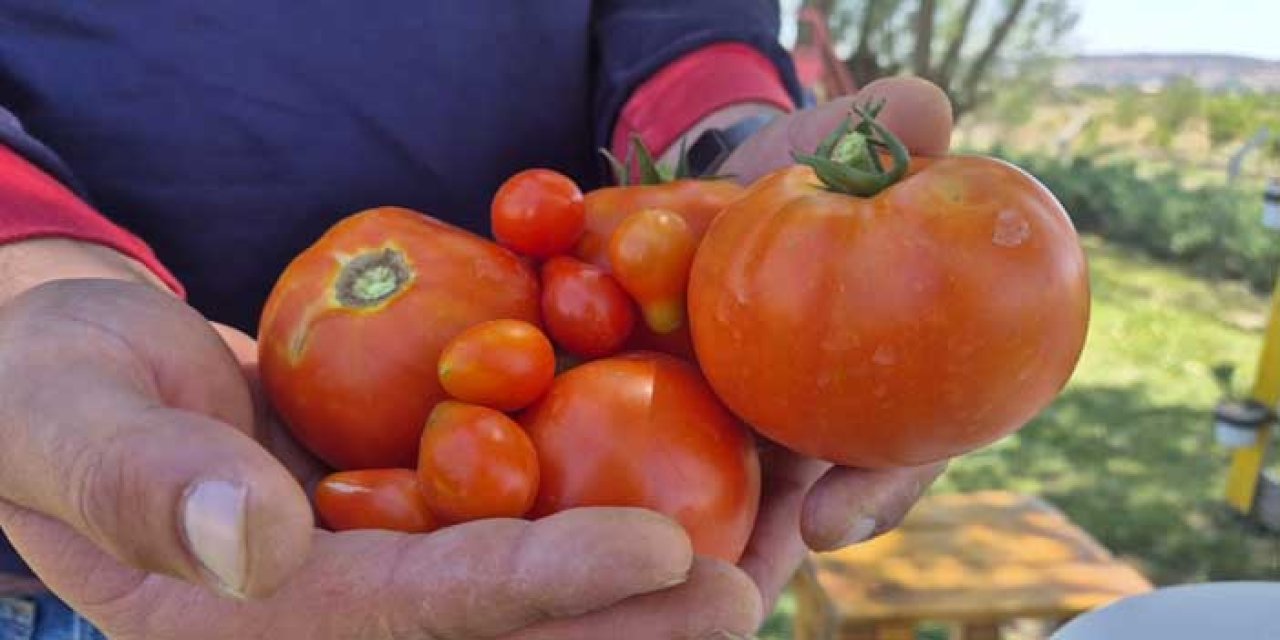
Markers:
{"x": 884, "y": 356}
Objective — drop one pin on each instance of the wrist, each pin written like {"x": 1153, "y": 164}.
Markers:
{"x": 26, "y": 264}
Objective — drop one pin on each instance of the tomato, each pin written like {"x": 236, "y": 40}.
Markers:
{"x": 651, "y": 252}
{"x": 374, "y": 499}
{"x": 352, "y": 332}
{"x": 538, "y": 212}
{"x": 502, "y": 364}
{"x": 645, "y": 430}
{"x": 892, "y": 328}
{"x": 476, "y": 463}
{"x": 697, "y": 201}
{"x": 584, "y": 309}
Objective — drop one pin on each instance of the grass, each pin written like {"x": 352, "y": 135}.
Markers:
{"x": 1127, "y": 450}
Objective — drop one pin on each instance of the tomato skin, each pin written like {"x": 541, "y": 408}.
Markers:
{"x": 651, "y": 253}
{"x": 388, "y": 499}
{"x": 355, "y": 383}
{"x": 501, "y": 364}
{"x": 910, "y": 327}
{"x": 697, "y": 201}
{"x": 584, "y": 309}
{"x": 645, "y": 430}
{"x": 538, "y": 213}
{"x": 476, "y": 463}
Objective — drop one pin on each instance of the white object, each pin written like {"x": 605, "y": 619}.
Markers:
{"x": 1211, "y": 611}
{"x": 1234, "y": 436}
{"x": 1271, "y": 205}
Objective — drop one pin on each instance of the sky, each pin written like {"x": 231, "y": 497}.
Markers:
{"x": 1239, "y": 27}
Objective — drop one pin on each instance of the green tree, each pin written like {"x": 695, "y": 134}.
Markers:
{"x": 967, "y": 47}
{"x": 1230, "y": 118}
{"x": 1127, "y": 106}
{"x": 1176, "y": 105}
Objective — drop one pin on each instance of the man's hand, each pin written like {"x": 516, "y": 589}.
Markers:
{"x": 809, "y": 504}
{"x": 139, "y": 479}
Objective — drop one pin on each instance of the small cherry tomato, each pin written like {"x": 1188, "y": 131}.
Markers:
{"x": 476, "y": 463}
{"x": 374, "y": 499}
{"x": 651, "y": 252}
{"x": 584, "y": 309}
{"x": 501, "y": 364}
{"x": 539, "y": 213}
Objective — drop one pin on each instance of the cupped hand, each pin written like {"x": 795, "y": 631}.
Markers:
{"x": 143, "y": 482}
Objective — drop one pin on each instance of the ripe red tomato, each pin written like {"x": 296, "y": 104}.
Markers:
{"x": 645, "y": 430}
{"x": 502, "y": 364}
{"x": 374, "y": 499}
{"x": 476, "y": 463}
{"x": 538, "y": 212}
{"x": 697, "y": 201}
{"x": 584, "y": 309}
{"x": 895, "y": 328}
{"x": 352, "y": 332}
{"x": 651, "y": 252}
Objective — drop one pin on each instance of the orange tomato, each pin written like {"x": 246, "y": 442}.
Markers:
{"x": 502, "y": 364}
{"x": 651, "y": 252}
{"x": 353, "y": 330}
{"x": 891, "y": 329}
{"x": 645, "y": 430}
{"x": 538, "y": 213}
{"x": 374, "y": 499}
{"x": 697, "y": 201}
{"x": 476, "y": 463}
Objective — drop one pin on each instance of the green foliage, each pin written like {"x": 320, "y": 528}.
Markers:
{"x": 1214, "y": 230}
{"x": 1127, "y": 106}
{"x": 1230, "y": 117}
{"x": 1181, "y": 101}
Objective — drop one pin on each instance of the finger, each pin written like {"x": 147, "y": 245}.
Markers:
{"x": 479, "y": 580}
{"x": 915, "y": 110}
{"x": 90, "y": 441}
{"x": 775, "y": 548}
{"x": 718, "y": 601}
{"x": 849, "y": 505}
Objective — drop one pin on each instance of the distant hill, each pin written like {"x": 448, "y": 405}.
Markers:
{"x": 1151, "y": 71}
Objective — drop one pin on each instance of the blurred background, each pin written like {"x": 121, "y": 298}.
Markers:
{"x": 1157, "y": 124}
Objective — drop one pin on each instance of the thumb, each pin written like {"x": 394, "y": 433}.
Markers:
{"x": 125, "y": 418}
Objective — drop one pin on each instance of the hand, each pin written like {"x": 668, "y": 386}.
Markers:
{"x": 834, "y": 506}
{"x": 139, "y": 478}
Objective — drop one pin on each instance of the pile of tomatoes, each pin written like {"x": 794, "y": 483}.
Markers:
{"x": 612, "y": 348}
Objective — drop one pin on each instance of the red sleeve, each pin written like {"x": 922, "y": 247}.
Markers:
{"x": 35, "y": 205}
{"x": 694, "y": 86}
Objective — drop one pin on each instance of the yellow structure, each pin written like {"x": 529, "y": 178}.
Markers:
{"x": 1247, "y": 462}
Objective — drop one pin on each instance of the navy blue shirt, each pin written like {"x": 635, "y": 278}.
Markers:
{"x": 230, "y": 134}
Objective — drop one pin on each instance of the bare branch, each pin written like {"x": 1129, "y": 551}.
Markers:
{"x": 998, "y": 35}
{"x": 951, "y": 58}
{"x": 924, "y": 36}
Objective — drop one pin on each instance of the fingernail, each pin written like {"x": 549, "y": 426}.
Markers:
{"x": 861, "y": 529}
{"x": 213, "y": 515}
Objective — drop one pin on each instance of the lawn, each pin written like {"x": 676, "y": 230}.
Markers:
{"x": 1127, "y": 450}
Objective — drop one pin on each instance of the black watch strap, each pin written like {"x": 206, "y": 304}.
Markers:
{"x": 714, "y": 146}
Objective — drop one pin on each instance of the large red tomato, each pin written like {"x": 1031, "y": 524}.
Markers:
{"x": 351, "y": 334}
{"x": 644, "y": 430}
{"x": 890, "y": 328}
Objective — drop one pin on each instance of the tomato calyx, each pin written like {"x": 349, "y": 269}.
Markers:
{"x": 652, "y": 173}
{"x": 371, "y": 278}
{"x": 848, "y": 161}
